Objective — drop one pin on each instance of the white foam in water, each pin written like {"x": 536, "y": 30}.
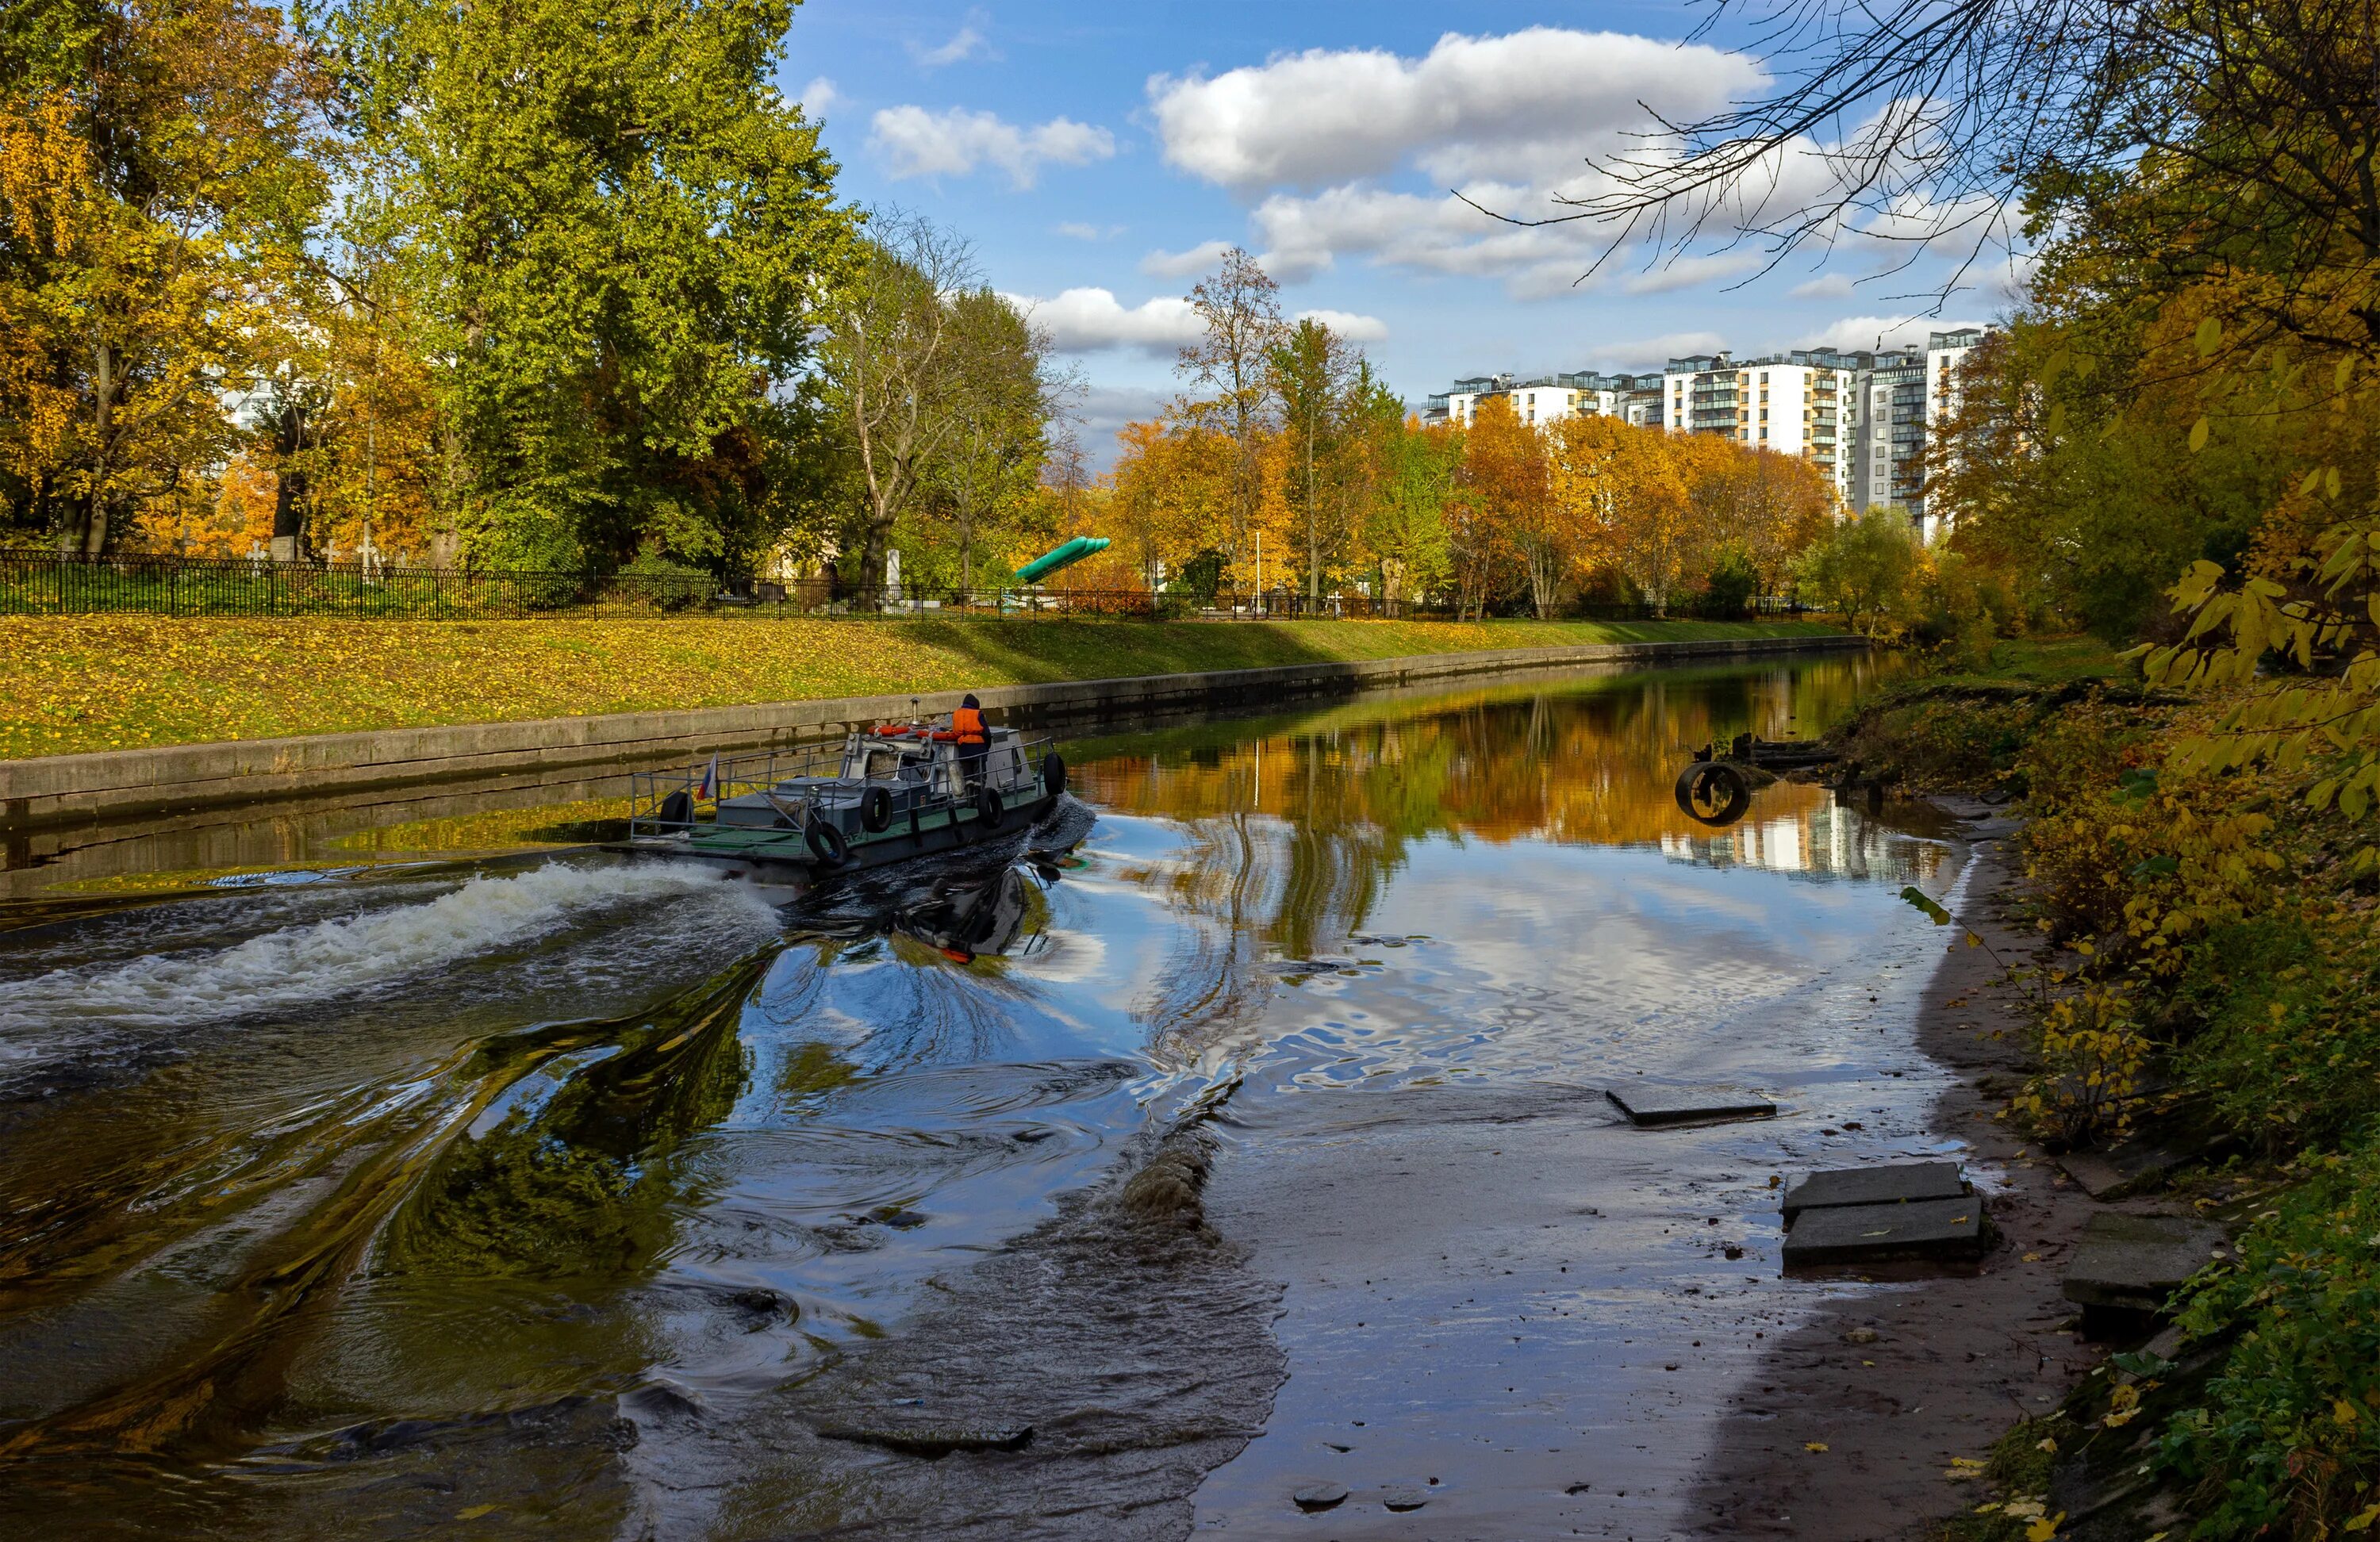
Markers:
{"x": 340, "y": 957}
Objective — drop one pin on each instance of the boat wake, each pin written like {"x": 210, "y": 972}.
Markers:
{"x": 341, "y": 958}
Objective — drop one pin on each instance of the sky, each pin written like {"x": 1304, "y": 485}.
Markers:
{"x": 1100, "y": 156}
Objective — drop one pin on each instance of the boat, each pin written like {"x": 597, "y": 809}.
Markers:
{"x": 883, "y": 794}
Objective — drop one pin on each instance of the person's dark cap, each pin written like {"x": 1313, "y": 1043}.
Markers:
{"x": 969, "y": 700}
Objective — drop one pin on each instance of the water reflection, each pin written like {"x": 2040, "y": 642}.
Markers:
{"x": 373, "y": 1199}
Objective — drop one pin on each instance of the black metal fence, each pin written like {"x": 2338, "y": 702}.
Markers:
{"x": 49, "y": 583}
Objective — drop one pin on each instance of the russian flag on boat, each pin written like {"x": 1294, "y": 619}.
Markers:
{"x": 710, "y": 787}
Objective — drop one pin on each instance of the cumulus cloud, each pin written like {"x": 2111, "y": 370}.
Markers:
{"x": 1077, "y": 230}
{"x": 1888, "y": 332}
{"x": 1091, "y": 320}
{"x": 818, "y": 98}
{"x": 1198, "y": 260}
{"x": 1528, "y": 104}
{"x": 1103, "y": 410}
{"x": 1348, "y": 324}
{"x": 1826, "y": 287}
{"x": 956, "y": 141}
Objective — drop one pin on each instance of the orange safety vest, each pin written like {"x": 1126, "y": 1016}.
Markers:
{"x": 966, "y": 726}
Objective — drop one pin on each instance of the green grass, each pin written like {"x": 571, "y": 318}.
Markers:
{"x": 76, "y": 684}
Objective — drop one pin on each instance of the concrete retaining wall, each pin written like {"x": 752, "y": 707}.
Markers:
{"x": 176, "y": 777}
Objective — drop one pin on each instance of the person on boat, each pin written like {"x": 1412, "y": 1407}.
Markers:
{"x": 974, "y": 740}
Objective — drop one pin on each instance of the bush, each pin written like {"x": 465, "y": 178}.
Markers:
{"x": 2288, "y": 1440}
{"x": 1726, "y": 593}
{"x": 665, "y": 584}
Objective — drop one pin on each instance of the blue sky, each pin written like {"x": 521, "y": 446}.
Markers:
{"x": 1098, "y": 155}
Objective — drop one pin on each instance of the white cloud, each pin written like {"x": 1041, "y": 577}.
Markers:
{"x": 1077, "y": 230}
{"x": 1872, "y": 331}
{"x": 955, "y": 141}
{"x": 1349, "y": 326}
{"x": 1087, "y": 321}
{"x": 1826, "y": 287}
{"x": 1303, "y": 236}
{"x": 1102, "y": 412}
{"x": 1198, "y": 260}
{"x": 818, "y": 98}
{"x": 965, "y": 43}
{"x": 1529, "y": 103}
{"x": 1687, "y": 272}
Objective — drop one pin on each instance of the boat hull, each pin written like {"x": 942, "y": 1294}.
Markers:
{"x": 779, "y": 856}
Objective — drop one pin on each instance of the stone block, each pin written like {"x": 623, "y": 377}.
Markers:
{"x": 1680, "y": 1105}
{"x": 2134, "y": 1262}
{"x": 1943, "y": 1229}
{"x": 1889, "y": 1183}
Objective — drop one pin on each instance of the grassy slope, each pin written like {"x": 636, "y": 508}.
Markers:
{"x": 89, "y": 683}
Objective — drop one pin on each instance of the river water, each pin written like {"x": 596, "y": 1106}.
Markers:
{"x": 1239, "y": 1128}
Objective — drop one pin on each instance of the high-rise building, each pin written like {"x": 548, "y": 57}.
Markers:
{"x": 1861, "y": 418}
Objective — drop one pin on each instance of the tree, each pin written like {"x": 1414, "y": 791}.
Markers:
{"x": 1864, "y": 566}
{"x": 1239, "y": 310}
{"x": 157, "y": 178}
{"x": 1311, "y": 375}
{"x": 1506, "y": 471}
{"x": 612, "y": 236}
{"x": 893, "y": 356}
{"x": 1001, "y": 401}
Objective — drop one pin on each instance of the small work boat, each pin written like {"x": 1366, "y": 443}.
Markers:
{"x": 891, "y": 793}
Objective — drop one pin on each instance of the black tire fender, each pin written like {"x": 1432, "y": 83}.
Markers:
{"x": 876, "y": 810}
{"x": 989, "y": 810}
{"x": 1053, "y": 773}
{"x": 676, "y": 809}
{"x": 826, "y": 843}
{"x": 1720, "y": 785}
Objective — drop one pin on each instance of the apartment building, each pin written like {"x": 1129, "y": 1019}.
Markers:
{"x": 1861, "y": 417}
{"x": 1549, "y": 398}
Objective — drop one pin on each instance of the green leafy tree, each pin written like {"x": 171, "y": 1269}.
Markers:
{"x": 614, "y": 235}
{"x": 1864, "y": 566}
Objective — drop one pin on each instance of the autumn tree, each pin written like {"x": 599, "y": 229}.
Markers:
{"x": 1313, "y": 376}
{"x": 157, "y": 180}
{"x": 1239, "y": 316}
{"x": 1508, "y": 476}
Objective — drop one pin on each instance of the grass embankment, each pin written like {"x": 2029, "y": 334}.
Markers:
{"x": 2210, "y": 986}
{"x": 74, "y": 684}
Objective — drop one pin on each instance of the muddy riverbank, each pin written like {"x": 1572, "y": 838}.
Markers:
{"x": 1898, "y": 1383}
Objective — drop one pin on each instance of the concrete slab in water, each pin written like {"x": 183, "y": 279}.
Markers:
{"x": 1942, "y": 1229}
{"x": 2134, "y": 1262}
{"x": 1893, "y": 1184}
{"x": 1677, "y": 1105}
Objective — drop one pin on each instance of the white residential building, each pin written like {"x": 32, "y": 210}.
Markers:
{"x": 1862, "y": 417}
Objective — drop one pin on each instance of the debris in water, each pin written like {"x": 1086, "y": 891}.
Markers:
{"x": 1677, "y": 1105}
{"x": 1316, "y": 1498}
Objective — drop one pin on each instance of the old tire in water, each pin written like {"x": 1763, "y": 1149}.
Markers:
{"x": 988, "y": 809}
{"x": 1053, "y": 773}
{"x": 826, "y": 843}
{"x": 1713, "y": 792}
{"x": 876, "y": 810}
{"x": 678, "y": 808}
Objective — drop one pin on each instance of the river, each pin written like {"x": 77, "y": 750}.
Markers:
{"x": 383, "y": 1171}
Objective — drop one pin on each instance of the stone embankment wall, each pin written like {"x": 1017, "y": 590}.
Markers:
{"x": 177, "y": 778}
